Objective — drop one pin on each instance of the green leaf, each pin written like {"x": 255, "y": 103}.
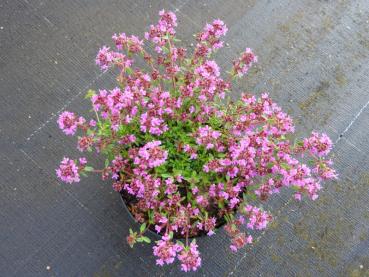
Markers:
{"x": 146, "y": 239}
{"x": 89, "y": 94}
{"x": 166, "y": 175}
{"x": 221, "y": 204}
{"x": 89, "y": 168}
{"x": 129, "y": 70}
{"x": 142, "y": 227}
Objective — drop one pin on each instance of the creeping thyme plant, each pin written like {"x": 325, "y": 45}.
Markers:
{"x": 190, "y": 160}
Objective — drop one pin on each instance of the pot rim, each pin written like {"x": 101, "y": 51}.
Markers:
{"x": 155, "y": 234}
{"x": 132, "y": 217}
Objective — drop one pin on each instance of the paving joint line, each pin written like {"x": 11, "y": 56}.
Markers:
{"x": 352, "y": 122}
{"x": 66, "y": 104}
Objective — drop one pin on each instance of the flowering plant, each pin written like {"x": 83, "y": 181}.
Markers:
{"x": 185, "y": 160}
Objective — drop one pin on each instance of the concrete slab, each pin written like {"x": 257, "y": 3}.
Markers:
{"x": 314, "y": 61}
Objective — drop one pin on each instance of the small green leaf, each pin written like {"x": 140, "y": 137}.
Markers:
{"x": 139, "y": 239}
{"x": 89, "y": 94}
{"x": 129, "y": 70}
{"x": 89, "y": 168}
{"x": 142, "y": 227}
{"x": 146, "y": 239}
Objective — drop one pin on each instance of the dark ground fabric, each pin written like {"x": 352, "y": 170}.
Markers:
{"x": 314, "y": 61}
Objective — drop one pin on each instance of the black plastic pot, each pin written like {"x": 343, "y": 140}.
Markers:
{"x": 153, "y": 232}
{"x": 156, "y": 235}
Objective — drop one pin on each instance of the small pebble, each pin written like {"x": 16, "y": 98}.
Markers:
{"x": 48, "y": 267}
{"x": 361, "y": 266}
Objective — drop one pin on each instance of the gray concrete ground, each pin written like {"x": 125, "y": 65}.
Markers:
{"x": 314, "y": 61}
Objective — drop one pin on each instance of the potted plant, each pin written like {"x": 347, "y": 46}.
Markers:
{"x": 185, "y": 159}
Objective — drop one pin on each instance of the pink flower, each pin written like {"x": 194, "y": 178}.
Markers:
{"x": 68, "y": 123}
{"x": 85, "y": 143}
{"x": 92, "y": 123}
{"x": 68, "y": 171}
{"x": 191, "y": 151}
{"x": 128, "y": 139}
{"x": 190, "y": 258}
{"x": 104, "y": 58}
{"x": 319, "y": 145}
{"x": 210, "y": 36}
{"x": 151, "y": 155}
{"x": 324, "y": 171}
{"x": 219, "y": 28}
{"x": 207, "y": 136}
{"x": 118, "y": 186}
{"x": 208, "y": 69}
{"x": 133, "y": 44}
{"x": 152, "y": 124}
{"x": 239, "y": 241}
{"x": 120, "y": 40}
{"x": 309, "y": 186}
{"x": 165, "y": 251}
{"x": 165, "y": 26}
{"x": 257, "y": 218}
{"x": 244, "y": 63}
{"x": 82, "y": 161}
{"x": 99, "y": 101}
{"x": 209, "y": 225}
{"x": 171, "y": 188}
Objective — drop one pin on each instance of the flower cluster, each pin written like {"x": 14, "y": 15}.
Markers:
{"x": 149, "y": 156}
{"x": 190, "y": 258}
{"x": 68, "y": 122}
{"x": 166, "y": 251}
{"x": 188, "y": 156}
{"x": 68, "y": 170}
{"x": 244, "y": 63}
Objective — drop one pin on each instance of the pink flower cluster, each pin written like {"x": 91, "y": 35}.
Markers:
{"x": 68, "y": 122}
{"x": 190, "y": 258}
{"x": 188, "y": 160}
{"x": 317, "y": 144}
{"x": 166, "y": 251}
{"x": 132, "y": 44}
{"x": 68, "y": 170}
{"x": 159, "y": 33}
{"x": 106, "y": 58}
{"x": 208, "y": 137}
{"x": 258, "y": 219}
{"x": 238, "y": 239}
{"x": 150, "y": 155}
{"x": 244, "y": 63}
{"x": 211, "y": 34}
